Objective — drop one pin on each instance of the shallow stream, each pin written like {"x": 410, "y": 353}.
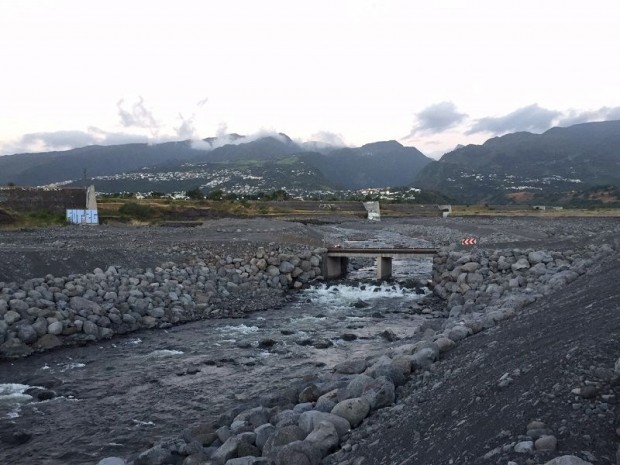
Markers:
{"x": 117, "y": 397}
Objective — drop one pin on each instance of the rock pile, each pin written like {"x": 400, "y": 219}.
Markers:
{"x": 482, "y": 287}
{"x": 304, "y": 423}
{"x": 44, "y": 313}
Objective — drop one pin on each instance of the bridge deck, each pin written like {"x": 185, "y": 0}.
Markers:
{"x": 380, "y": 252}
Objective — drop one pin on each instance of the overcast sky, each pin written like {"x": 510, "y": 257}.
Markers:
{"x": 430, "y": 74}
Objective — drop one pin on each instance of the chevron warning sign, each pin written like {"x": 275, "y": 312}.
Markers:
{"x": 468, "y": 241}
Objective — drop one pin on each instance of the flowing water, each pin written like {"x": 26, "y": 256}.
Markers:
{"x": 116, "y": 397}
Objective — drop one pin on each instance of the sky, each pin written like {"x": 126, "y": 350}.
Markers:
{"x": 430, "y": 74}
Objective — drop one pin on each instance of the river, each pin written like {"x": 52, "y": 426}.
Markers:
{"x": 116, "y": 397}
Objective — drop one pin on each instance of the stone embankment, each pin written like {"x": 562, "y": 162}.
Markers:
{"x": 314, "y": 418}
{"x": 482, "y": 287}
{"x": 48, "y": 312}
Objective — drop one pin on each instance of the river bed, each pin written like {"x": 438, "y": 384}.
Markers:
{"x": 117, "y": 397}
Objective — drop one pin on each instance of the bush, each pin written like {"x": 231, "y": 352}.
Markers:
{"x": 135, "y": 210}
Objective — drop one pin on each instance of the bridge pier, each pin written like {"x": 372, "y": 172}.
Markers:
{"x": 335, "y": 261}
{"x": 334, "y": 267}
{"x": 384, "y": 267}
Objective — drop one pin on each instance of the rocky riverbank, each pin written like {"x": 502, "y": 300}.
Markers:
{"x": 44, "y": 313}
{"x": 314, "y": 419}
{"x": 475, "y": 290}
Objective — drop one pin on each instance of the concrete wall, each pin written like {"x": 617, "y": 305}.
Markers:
{"x": 35, "y": 199}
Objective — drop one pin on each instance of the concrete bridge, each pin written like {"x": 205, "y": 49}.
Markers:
{"x": 336, "y": 259}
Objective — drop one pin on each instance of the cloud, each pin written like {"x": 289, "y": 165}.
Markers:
{"x": 577, "y": 116}
{"x": 187, "y": 129}
{"x": 233, "y": 139}
{"x": 328, "y": 138}
{"x": 65, "y": 140}
{"x": 531, "y": 118}
{"x": 138, "y": 116}
{"x": 437, "y": 118}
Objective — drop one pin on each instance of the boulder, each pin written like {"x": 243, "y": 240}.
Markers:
{"x": 351, "y": 367}
{"x": 379, "y": 393}
{"x": 281, "y": 437}
{"x": 325, "y": 437}
{"x": 567, "y": 460}
{"x": 353, "y": 410}
{"x": 299, "y": 453}
{"x": 310, "y": 420}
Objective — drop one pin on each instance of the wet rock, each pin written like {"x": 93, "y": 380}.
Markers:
{"x": 18, "y": 438}
{"x": 47, "y": 342}
{"x": 14, "y": 348}
{"x": 360, "y": 304}
{"x": 389, "y": 335}
{"x": 322, "y": 344}
{"x": 348, "y": 337}
{"x": 353, "y": 410}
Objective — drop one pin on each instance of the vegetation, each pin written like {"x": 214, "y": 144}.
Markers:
{"x": 137, "y": 211}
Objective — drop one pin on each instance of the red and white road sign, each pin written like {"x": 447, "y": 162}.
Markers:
{"x": 469, "y": 241}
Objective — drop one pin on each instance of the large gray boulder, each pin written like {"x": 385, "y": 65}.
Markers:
{"x": 352, "y": 410}
{"x": 380, "y": 393}
{"x": 226, "y": 451}
{"x": 255, "y": 417}
{"x": 281, "y": 437}
{"x": 310, "y": 420}
{"x": 246, "y": 461}
{"x": 299, "y": 453}
{"x": 567, "y": 460}
{"x": 325, "y": 437}
{"x": 356, "y": 387}
{"x": 351, "y": 367}
{"x": 263, "y": 433}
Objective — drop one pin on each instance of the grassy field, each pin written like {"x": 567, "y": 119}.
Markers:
{"x": 191, "y": 212}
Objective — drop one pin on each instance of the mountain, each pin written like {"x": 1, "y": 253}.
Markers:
{"x": 237, "y": 163}
{"x": 525, "y": 166}
{"x": 378, "y": 164}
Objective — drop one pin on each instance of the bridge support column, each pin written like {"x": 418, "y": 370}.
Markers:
{"x": 334, "y": 267}
{"x": 384, "y": 267}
